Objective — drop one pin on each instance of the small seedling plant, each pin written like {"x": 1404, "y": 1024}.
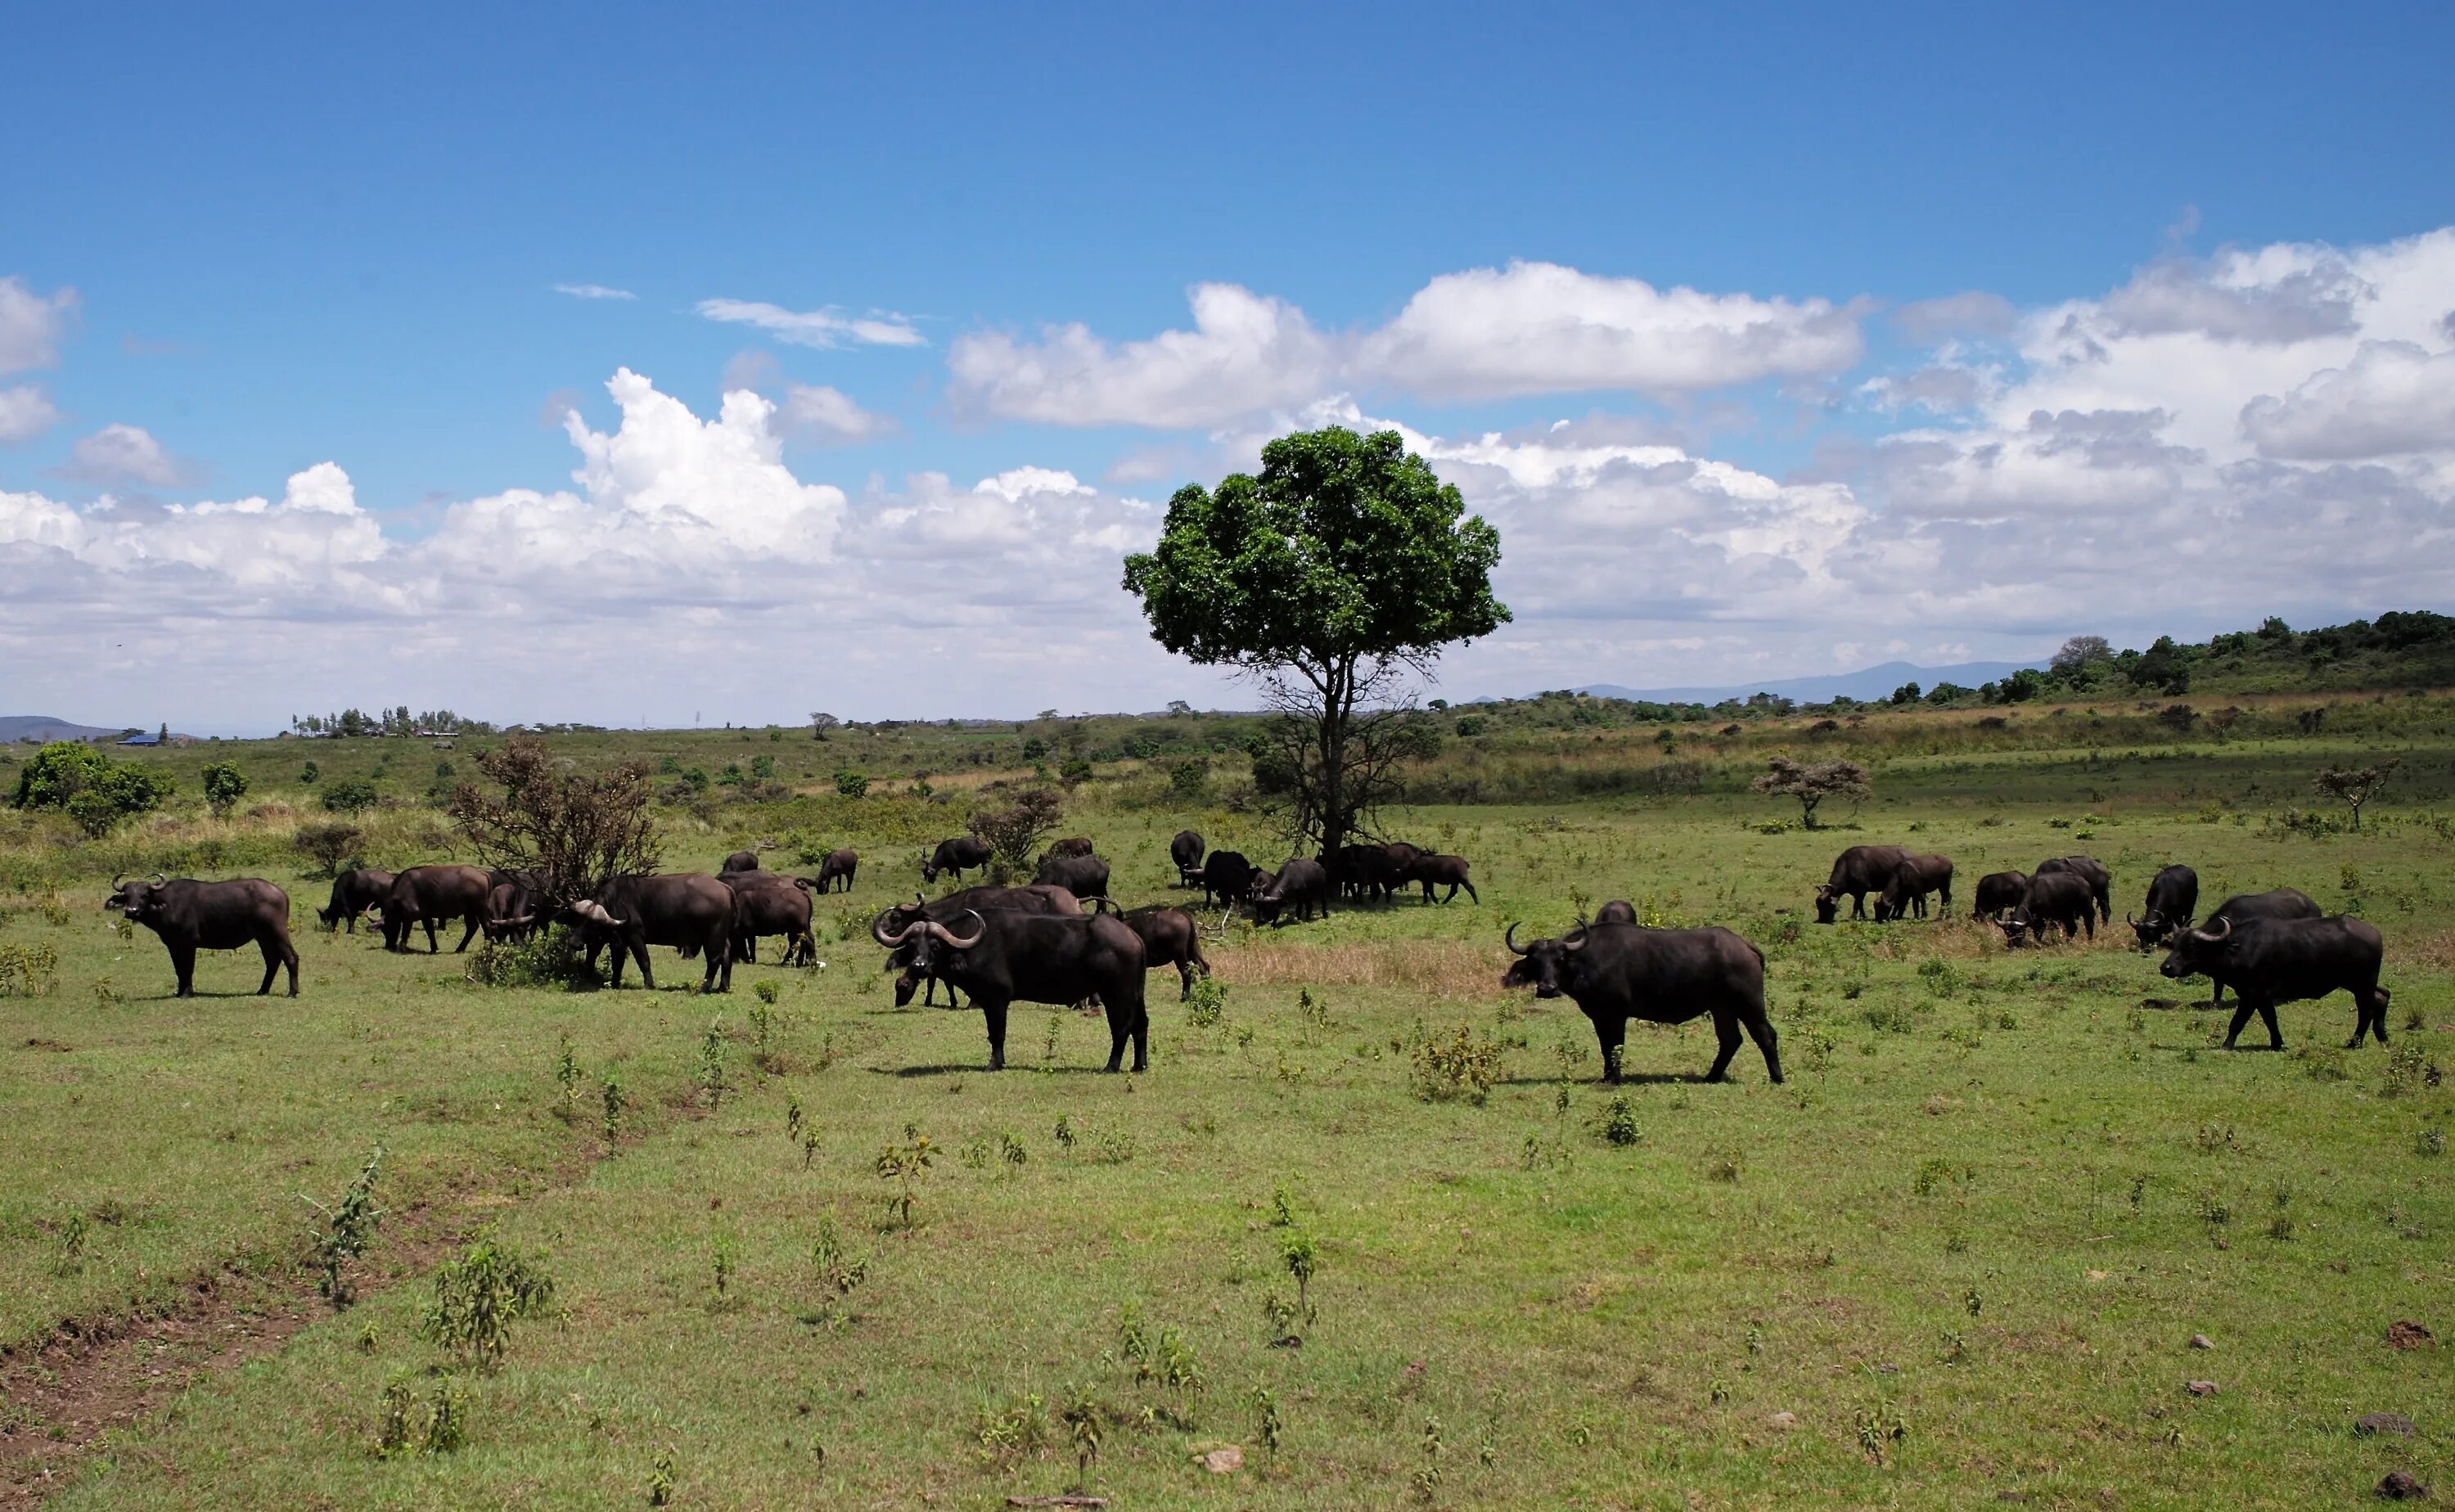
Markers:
{"x": 479, "y": 1295}
{"x": 347, "y": 1229}
{"x": 905, "y": 1165}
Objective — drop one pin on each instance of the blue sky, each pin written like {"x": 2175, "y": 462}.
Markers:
{"x": 303, "y": 237}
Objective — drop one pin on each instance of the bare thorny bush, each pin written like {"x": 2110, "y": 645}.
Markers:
{"x": 551, "y": 817}
{"x": 1014, "y": 831}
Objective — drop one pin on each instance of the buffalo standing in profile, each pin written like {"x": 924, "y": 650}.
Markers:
{"x": 1301, "y": 884}
{"x": 1006, "y": 956}
{"x": 1225, "y": 876}
{"x": 2284, "y": 902}
{"x": 437, "y": 895}
{"x": 688, "y": 910}
{"x": 2053, "y": 898}
{"x": 355, "y": 891}
{"x": 955, "y": 857}
{"x": 1998, "y": 893}
{"x": 839, "y": 866}
{"x": 2272, "y": 960}
{"x": 1856, "y": 872}
{"x": 1075, "y": 845}
{"x": 1906, "y": 891}
{"x": 1171, "y": 938}
{"x": 1083, "y": 876}
{"x": 2092, "y": 871}
{"x": 1619, "y": 972}
{"x": 2173, "y": 898}
{"x": 770, "y": 903}
{"x": 1185, "y": 851}
{"x": 190, "y": 916}
{"x": 1433, "y": 870}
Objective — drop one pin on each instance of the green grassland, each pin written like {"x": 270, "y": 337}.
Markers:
{"x": 1965, "y": 1246}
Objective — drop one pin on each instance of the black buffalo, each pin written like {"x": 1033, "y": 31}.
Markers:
{"x": 2173, "y": 898}
{"x": 1225, "y": 875}
{"x": 2274, "y": 960}
{"x": 1171, "y": 938}
{"x": 955, "y": 856}
{"x": 1856, "y": 872}
{"x": 1077, "y": 845}
{"x": 436, "y": 895}
{"x": 2284, "y": 902}
{"x": 1185, "y": 851}
{"x": 1618, "y": 972}
{"x": 1301, "y": 884}
{"x": 1360, "y": 871}
{"x": 839, "y": 866}
{"x": 2053, "y": 898}
{"x": 1618, "y": 911}
{"x": 2088, "y": 868}
{"x": 1034, "y": 899}
{"x": 1433, "y": 870}
{"x": 689, "y": 910}
{"x": 512, "y": 913}
{"x": 1003, "y": 956}
{"x": 1905, "y": 891}
{"x": 770, "y": 903}
{"x": 1997, "y": 893}
{"x": 190, "y": 916}
{"x": 741, "y": 861}
{"x": 1083, "y": 876}
{"x": 354, "y": 892}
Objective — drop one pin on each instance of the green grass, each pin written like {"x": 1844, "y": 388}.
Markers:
{"x": 1980, "y": 1211}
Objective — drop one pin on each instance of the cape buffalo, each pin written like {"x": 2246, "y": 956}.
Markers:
{"x": 2100, "y": 881}
{"x": 1169, "y": 938}
{"x": 434, "y": 895}
{"x": 1360, "y": 871}
{"x": 2053, "y": 898}
{"x": 190, "y": 916}
{"x": 1433, "y": 870}
{"x": 680, "y": 908}
{"x": 1083, "y": 876}
{"x": 837, "y": 867}
{"x": 1997, "y": 892}
{"x": 2274, "y": 960}
{"x": 2284, "y": 902}
{"x": 1185, "y": 851}
{"x": 1906, "y": 890}
{"x": 1035, "y": 900}
{"x": 955, "y": 856}
{"x": 1618, "y": 972}
{"x": 1035, "y": 958}
{"x": 771, "y": 903}
{"x": 2173, "y": 898}
{"x": 1856, "y": 872}
{"x": 1225, "y": 875}
{"x": 1618, "y": 911}
{"x": 1301, "y": 884}
{"x": 354, "y": 892}
{"x": 741, "y": 861}
{"x": 511, "y": 913}
{"x": 1075, "y": 846}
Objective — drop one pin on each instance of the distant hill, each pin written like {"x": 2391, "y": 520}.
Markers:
{"x": 43, "y": 727}
{"x": 1866, "y": 685}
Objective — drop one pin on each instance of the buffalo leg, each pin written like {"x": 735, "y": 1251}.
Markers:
{"x": 2369, "y": 1013}
{"x": 648, "y": 973}
{"x": 724, "y": 971}
{"x": 1726, "y": 1034}
{"x": 432, "y": 948}
{"x": 1760, "y": 1029}
{"x": 1185, "y": 976}
{"x": 1612, "y": 1034}
{"x": 995, "y": 1014}
{"x": 467, "y": 934}
{"x": 1472, "y": 896}
{"x": 183, "y": 960}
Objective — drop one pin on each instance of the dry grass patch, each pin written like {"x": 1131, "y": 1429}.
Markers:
{"x": 1440, "y": 968}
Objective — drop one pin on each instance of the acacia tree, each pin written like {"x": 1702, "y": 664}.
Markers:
{"x": 545, "y": 815}
{"x": 1343, "y": 566}
{"x": 2354, "y": 786}
{"x": 1811, "y": 784}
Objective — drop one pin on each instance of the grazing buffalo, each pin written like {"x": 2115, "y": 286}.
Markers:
{"x": 1906, "y": 890}
{"x": 1856, "y": 872}
{"x": 1301, "y": 884}
{"x": 1078, "y": 845}
{"x": 436, "y": 895}
{"x": 741, "y": 861}
{"x": 1618, "y": 911}
{"x": 1185, "y": 851}
{"x": 690, "y": 910}
{"x": 2173, "y": 898}
{"x": 1007, "y": 955}
{"x": 190, "y": 916}
{"x": 1169, "y": 938}
{"x": 955, "y": 856}
{"x": 2284, "y": 902}
{"x": 511, "y": 913}
{"x": 1083, "y": 876}
{"x": 1361, "y": 871}
{"x": 770, "y": 903}
{"x": 1225, "y": 876}
{"x": 1998, "y": 892}
{"x": 355, "y": 892}
{"x": 2274, "y": 960}
{"x": 1035, "y": 900}
{"x": 2053, "y": 898}
{"x": 839, "y": 866}
{"x": 1618, "y": 972}
{"x": 2088, "y": 868}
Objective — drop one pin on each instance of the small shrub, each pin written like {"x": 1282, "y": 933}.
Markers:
{"x": 613, "y": 1101}
{"x": 710, "y": 1073}
{"x": 553, "y": 960}
{"x": 225, "y": 784}
{"x": 907, "y": 1165}
{"x": 347, "y": 1229}
{"x": 28, "y": 971}
{"x": 2429, "y": 1142}
{"x": 1209, "y": 1004}
{"x": 660, "y": 1478}
{"x": 327, "y": 844}
{"x": 1461, "y": 1064}
{"x": 1015, "y": 1429}
{"x": 1619, "y": 1122}
{"x": 1879, "y": 1428}
{"x": 479, "y": 1294}
{"x": 350, "y": 797}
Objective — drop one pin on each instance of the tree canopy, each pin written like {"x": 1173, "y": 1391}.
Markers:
{"x": 88, "y": 786}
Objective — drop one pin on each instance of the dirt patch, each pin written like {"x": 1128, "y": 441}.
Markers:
{"x": 2406, "y": 1334}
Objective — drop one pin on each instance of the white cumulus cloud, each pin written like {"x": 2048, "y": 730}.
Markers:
{"x": 126, "y": 454}
{"x": 2392, "y": 398}
{"x": 25, "y": 411}
{"x": 31, "y": 325}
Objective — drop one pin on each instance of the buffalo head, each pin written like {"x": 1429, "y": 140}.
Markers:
{"x": 2152, "y": 931}
{"x": 1544, "y": 964}
{"x": 1828, "y": 905}
{"x": 140, "y": 901}
{"x": 2189, "y": 952}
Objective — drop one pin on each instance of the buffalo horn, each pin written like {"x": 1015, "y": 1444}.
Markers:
{"x": 1575, "y": 938}
{"x": 159, "y": 880}
{"x": 2128, "y": 919}
{"x": 949, "y": 936}
{"x": 116, "y": 883}
{"x": 1509, "y": 939}
{"x": 878, "y": 930}
{"x": 2212, "y": 935}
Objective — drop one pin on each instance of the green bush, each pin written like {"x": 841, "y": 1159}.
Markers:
{"x": 88, "y": 786}
{"x": 225, "y": 784}
{"x": 350, "y": 797}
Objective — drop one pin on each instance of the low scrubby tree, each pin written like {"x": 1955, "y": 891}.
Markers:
{"x": 1015, "y": 830}
{"x": 89, "y": 787}
{"x": 225, "y": 784}
{"x": 540, "y": 813}
{"x": 1812, "y": 783}
{"x": 2354, "y": 786}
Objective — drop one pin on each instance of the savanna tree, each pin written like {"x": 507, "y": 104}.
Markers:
{"x": 541, "y": 813}
{"x": 1811, "y": 783}
{"x": 2354, "y": 786}
{"x": 88, "y": 786}
{"x": 1329, "y": 577}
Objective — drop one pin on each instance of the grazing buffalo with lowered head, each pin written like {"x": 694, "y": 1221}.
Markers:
{"x": 1169, "y": 938}
{"x": 1997, "y": 893}
{"x": 2053, "y": 898}
{"x": 1432, "y": 871}
{"x": 1906, "y": 890}
{"x": 1301, "y": 884}
{"x": 2173, "y": 898}
{"x": 2284, "y": 902}
{"x": 1001, "y": 955}
{"x": 741, "y": 861}
{"x": 770, "y": 903}
{"x": 955, "y": 857}
{"x": 1078, "y": 845}
{"x": 2274, "y": 960}
{"x": 190, "y": 916}
{"x": 1185, "y": 851}
{"x": 354, "y": 892}
{"x": 2091, "y": 869}
{"x": 1619, "y": 972}
{"x": 1083, "y": 876}
{"x": 839, "y": 866}
{"x": 1225, "y": 875}
{"x": 511, "y": 913}
{"x": 1856, "y": 872}
{"x": 1055, "y": 901}
{"x": 1618, "y": 911}
{"x": 689, "y": 910}
{"x": 436, "y": 895}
